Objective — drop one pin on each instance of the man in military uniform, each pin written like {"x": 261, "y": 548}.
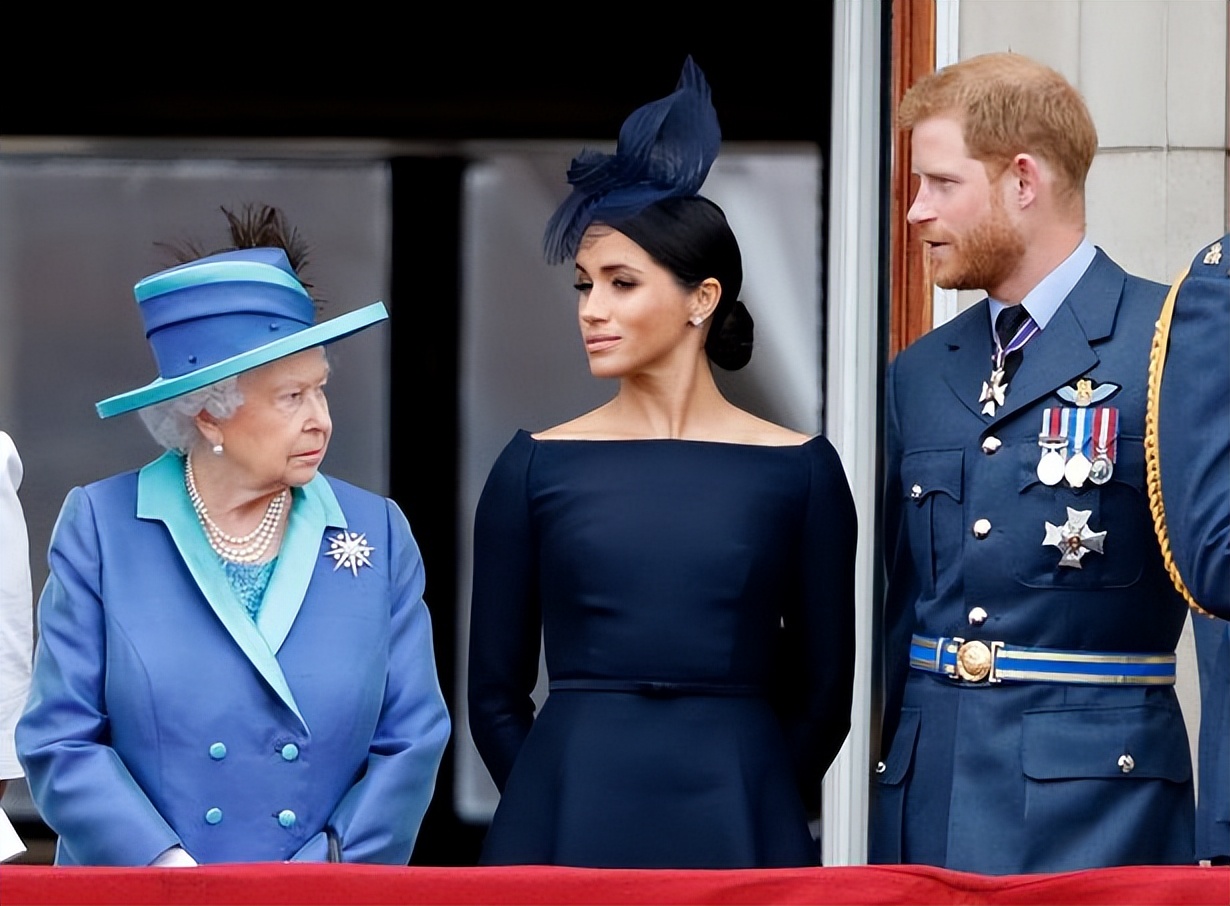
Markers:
{"x": 1187, "y": 444}
{"x": 1030, "y": 722}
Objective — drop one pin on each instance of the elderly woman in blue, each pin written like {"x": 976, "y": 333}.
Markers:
{"x": 235, "y": 659}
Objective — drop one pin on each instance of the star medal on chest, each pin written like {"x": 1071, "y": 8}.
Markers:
{"x": 350, "y": 550}
{"x": 1074, "y": 538}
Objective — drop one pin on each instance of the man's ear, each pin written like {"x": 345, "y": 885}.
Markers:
{"x": 1028, "y": 174}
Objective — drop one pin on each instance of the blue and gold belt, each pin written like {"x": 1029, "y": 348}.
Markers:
{"x": 978, "y": 661}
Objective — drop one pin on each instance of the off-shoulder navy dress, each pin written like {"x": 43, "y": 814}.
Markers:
{"x": 696, "y": 604}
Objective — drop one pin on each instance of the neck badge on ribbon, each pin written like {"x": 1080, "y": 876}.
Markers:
{"x": 994, "y": 388}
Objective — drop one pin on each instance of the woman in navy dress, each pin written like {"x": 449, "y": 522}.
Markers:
{"x": 687, "y": 565}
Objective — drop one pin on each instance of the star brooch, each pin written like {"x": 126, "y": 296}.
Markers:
{"x": 350, "y": 550}
{"x": 1074, "y": 538}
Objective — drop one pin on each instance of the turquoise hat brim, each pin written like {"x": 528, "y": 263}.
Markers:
{"x": 316, "y": 335}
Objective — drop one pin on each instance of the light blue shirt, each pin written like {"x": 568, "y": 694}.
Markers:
{"x": 1044, "y": 299}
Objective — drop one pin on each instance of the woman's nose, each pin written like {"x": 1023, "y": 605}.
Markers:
{"x": 318, "y": 415}
{"x": 592, "y": 307}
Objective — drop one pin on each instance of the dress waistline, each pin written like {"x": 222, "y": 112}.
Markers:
{"x": 658, "y": 688}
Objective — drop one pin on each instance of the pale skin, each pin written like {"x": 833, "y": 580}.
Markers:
{"x": 276, "y": 440}
{"x": 636, "y": 322}
{"x": 985, "y": 226}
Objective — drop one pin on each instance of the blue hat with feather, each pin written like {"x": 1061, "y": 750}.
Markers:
{"x": 224, "y": 314}
{"x": 665, "y": 150}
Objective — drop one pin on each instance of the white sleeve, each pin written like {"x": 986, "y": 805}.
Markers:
{"x": 16, "y": 607}
{"x": 175, "y": 857}
{"x": 11, "y": 845}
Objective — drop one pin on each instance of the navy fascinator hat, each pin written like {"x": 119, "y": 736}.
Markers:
{"x": 665, "y": 150}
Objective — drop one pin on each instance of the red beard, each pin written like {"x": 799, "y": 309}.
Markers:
{"x": 984, "y": 257}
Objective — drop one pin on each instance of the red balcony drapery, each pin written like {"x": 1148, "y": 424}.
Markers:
{"x": 284, "y": 883}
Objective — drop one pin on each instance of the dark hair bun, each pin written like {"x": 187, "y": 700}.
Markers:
{"x": 729, "y": 344}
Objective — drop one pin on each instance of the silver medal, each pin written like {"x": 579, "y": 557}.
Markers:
{"x": 1051, "y": 462}
{"x": 1077, "y": 469}
{"x": 1050, "y": 467}
{"x": 1105, "y": 430}
{"x": 1101, "y": 469}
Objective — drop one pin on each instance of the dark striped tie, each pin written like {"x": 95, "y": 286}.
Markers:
{"x": 1007, "y": 323}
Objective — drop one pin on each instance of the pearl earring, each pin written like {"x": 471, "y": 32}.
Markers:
{"x": 217, "y": 449}
{"x": 697, "y": 321}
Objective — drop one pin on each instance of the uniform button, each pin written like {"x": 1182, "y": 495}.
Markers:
{"x": 991, "y": 444}
{"x": 286, "y": 818}
{"x": 213, "y": 816}
{"x": 977, "y": 616}
{"x": 916, "y": 491}
{"x": 217, "y": 751}
{"x": 881, "y": 767}
{"x": 1127, "y": 764}
{"x": 982, "y": 528}
{"x": 290, "y": 752}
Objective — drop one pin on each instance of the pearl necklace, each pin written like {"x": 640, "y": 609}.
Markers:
{"x": 249, "y": 548}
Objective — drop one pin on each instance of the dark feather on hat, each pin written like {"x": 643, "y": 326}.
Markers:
{"x": 254, "y": 225}
{"x": 264, "y": 226}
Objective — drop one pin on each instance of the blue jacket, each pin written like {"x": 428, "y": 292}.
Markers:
{"x": 161, "y": 714}
{"x": 1025, "y": 776}
{"x": 1193, "y": 446}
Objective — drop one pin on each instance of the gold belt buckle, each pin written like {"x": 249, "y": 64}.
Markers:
{"x": 974, "y": 661}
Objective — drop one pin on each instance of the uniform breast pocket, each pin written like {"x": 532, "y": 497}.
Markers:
{"x": 931, "y": 482}
{"x": 1092, "y": 536}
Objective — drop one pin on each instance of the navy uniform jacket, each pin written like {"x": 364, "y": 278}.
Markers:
{"x": 1019, "y": 776}
{"x": 162, "y": 715}
{"x": 1193, "y": 447}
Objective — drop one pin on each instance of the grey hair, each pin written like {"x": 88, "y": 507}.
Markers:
{"x": 172, "y": 423}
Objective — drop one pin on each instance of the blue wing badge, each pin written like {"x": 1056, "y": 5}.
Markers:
{"x": 1084, "y": 393}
